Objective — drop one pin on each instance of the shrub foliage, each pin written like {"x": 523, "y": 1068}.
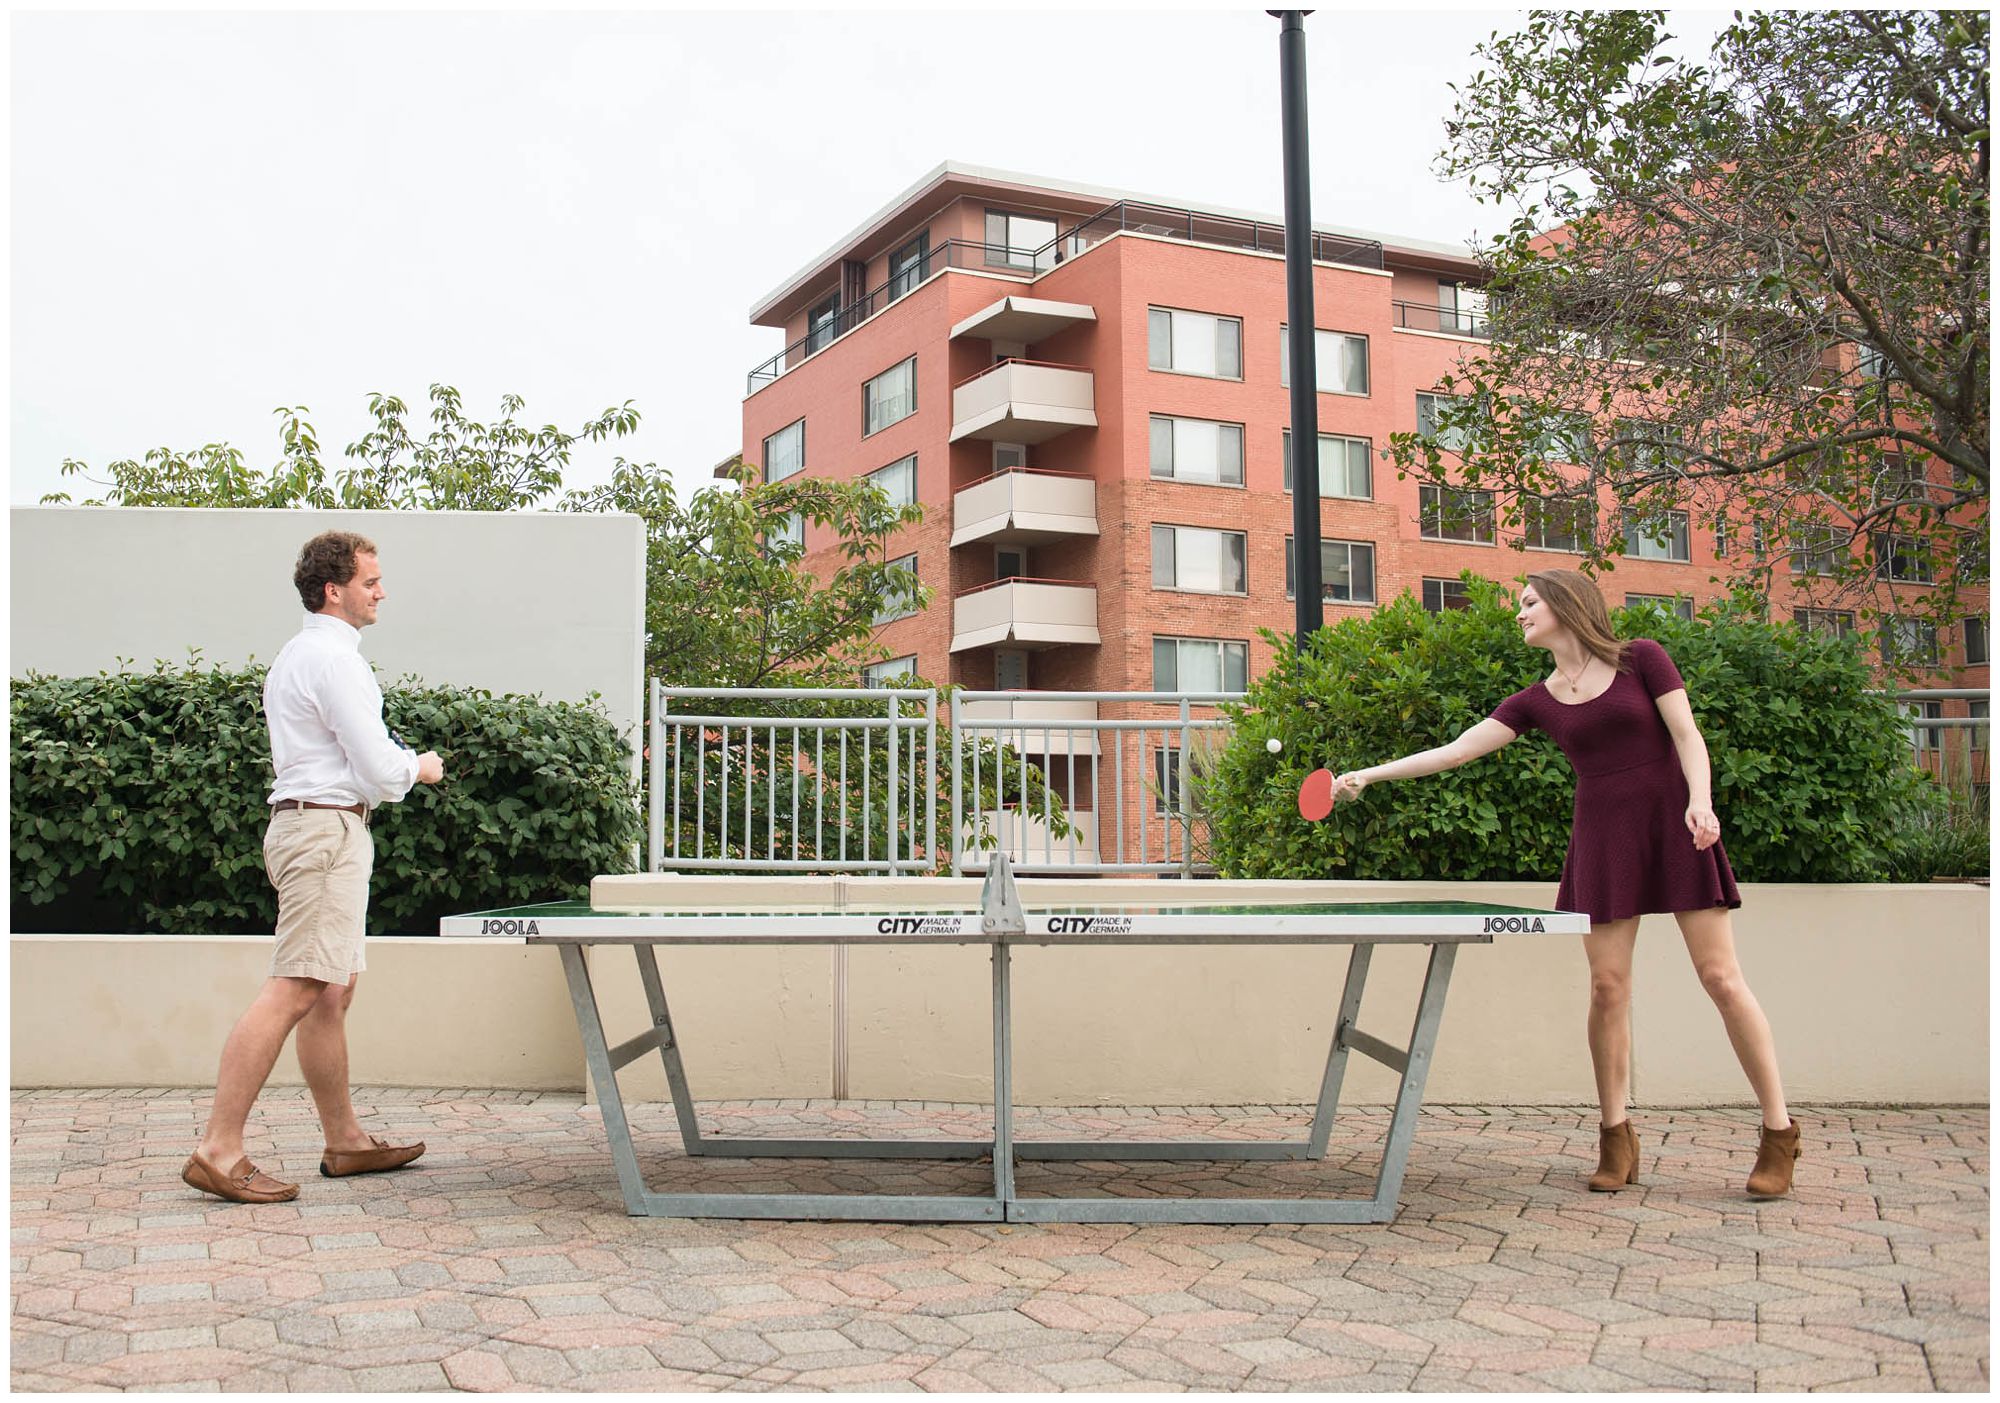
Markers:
{"x": 139, "y": 804}
{"x": 1812, "y": 773}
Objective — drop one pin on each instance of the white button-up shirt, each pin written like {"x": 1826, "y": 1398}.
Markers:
{"x": 324, "y": 709}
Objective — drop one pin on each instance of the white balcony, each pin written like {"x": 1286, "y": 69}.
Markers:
{"x": 1044, "y": 612}
{"x": 1022, "y": 504}
{"x": 1022, "y": 401}
{"x": 1057, "y": 728}
{"x": 1023, "y": 319}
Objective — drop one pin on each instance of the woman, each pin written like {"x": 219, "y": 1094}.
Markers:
{"x": 1620, "y": 713}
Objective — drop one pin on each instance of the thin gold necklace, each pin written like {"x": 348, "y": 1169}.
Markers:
{"x": 1573, "y": 683}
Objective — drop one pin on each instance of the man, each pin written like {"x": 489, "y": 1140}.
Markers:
{"x": 335, "y": 762}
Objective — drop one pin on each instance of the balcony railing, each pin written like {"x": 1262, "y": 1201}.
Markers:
{"x": 1422, "y": 316}
{"x": 1023, "y": 401}
{"x": 1131, "y": 216}
{"x": 1023, "y": 610}
{"x": 1025, "y": 504}
{"x": 952, "y": 253}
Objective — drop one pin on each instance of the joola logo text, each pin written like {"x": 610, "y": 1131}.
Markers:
{"x": 509, "y": 927}
{"x": 1515, "y": 925}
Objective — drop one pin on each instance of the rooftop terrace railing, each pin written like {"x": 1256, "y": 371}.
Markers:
{"x": 1422, "y": 316}
{"x": 1223, "y": 231}
{"x": 1125, "y": 216}
{"x": 952, "y": 253}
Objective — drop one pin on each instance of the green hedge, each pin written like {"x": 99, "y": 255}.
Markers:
{"x": 1812, "y": 772}
{"x": 138, "y": 804}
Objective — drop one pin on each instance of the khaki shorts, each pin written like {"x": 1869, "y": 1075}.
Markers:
{"x": 320, "y": 861}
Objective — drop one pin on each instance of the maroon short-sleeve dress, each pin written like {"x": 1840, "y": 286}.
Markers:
{"x": 1630, "y": 851}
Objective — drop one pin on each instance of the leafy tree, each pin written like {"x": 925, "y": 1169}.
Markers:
{"x": 1754, "y": 289}
{"x": 727, "y": 604}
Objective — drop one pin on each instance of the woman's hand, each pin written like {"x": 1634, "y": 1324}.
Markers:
{"x": 1705, "y": 826}
{"x": 1348, "y": 786}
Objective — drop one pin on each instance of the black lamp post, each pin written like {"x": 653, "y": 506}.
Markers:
{"x": 1310, "y": 615}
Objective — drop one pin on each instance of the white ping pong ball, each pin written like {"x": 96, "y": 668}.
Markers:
{"x": 1274, "y": 745}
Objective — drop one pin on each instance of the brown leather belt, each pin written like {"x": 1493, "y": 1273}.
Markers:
{"x": 283, "y": 804}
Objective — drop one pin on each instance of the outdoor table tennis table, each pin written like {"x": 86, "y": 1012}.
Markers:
{"x": 999, "y": 921}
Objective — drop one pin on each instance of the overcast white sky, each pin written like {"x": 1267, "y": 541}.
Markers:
{"x": 216, "y": 214}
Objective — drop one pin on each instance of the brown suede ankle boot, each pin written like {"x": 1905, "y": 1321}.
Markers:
{"x": 1617, "y": 1157}
{"x": 1777, "y": 1152}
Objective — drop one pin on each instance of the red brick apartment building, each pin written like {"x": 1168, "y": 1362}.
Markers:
{"x": 1086, "y": 390}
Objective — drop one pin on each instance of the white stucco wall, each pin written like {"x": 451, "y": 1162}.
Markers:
{"x": 532, "y": 602}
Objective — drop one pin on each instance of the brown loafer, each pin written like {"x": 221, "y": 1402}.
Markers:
{"x": 246, "y": 1183}
{"x": 338, "y": 1164}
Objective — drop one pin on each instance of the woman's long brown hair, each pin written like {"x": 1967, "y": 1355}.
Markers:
{"x": 1578, "y": 607}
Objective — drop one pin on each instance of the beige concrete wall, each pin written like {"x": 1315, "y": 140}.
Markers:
{"x": 1876, "y": 993}
{"x": 546, "y": 602}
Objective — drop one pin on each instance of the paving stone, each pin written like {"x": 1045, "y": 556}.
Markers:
{"x": 509, "y": 1263}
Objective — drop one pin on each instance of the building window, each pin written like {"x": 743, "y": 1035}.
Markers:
{"x": 1649, "y": 447}
{"x": 889, "y": 671}
{"x": 889, "y": 398}
{"x": 1725, "y": 538}
{"x": 791, "y": 531}
{"x": 1659, "y": 536}
{"x": 785, "y": 452}
{"x": 1901, "y": 558}
{"x": 1346, "y": 572}
{"x": 1923, "y": 739}
{"x": 1440, "y": 595}
{"x": 1834, "y": 623}
{"x": 1340, "y": 361}
{"x": 1980, "y": 711}
{"x": 1911, "y": 642}
{"x": 1345, "y": 466}
{"x": 1166, "y": 780}
{"x": 1190, "y": 558}
{"x": 1455, "y": 514}
{"x": 1817, "y": 550}
{"x": 1871, "y": 362}
{"x": 1014, "y": 240}
{"x": 1200, "y": 665}
{"x": 822, "y": 322}
{"x": 907, "y": 265}
{"x": 1558, "y": 523}
{"x": 1975, "y": 641}
{"x": 898, "y": 481}
{"x": 1679, "y": 605}
{"x": 1559, "y": 436}
{"x": 1194, "y": 343}
{"x": 1461, "y": 308}
{"x": 1431, "y": 409}
{"x": 1197, "y": 450}
{"x": 899, "y": 603}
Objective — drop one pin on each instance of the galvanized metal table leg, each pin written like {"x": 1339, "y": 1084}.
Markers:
{"x": 670, "y": 1049}
{"x": 1410, "y": 1095}
{"x": 1336, "y": 1054}
{"x": 597, "y": 1056}
{"x": 1003, "y": 1077}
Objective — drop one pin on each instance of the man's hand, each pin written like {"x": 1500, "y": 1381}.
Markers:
{"x": 430, "y": 769}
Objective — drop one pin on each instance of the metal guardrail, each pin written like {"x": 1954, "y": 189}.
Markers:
{"x": 847, "y": 779}
{"x": 827, "y": 750}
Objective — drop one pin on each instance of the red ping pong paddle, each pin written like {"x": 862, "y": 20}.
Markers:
{"x": 1316, "y": 796}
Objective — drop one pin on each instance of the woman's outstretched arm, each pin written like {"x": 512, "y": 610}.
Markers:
{"x": 1483, "y": 739}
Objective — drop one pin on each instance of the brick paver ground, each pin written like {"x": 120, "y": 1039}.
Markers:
{"x": 504, "y": 1260}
